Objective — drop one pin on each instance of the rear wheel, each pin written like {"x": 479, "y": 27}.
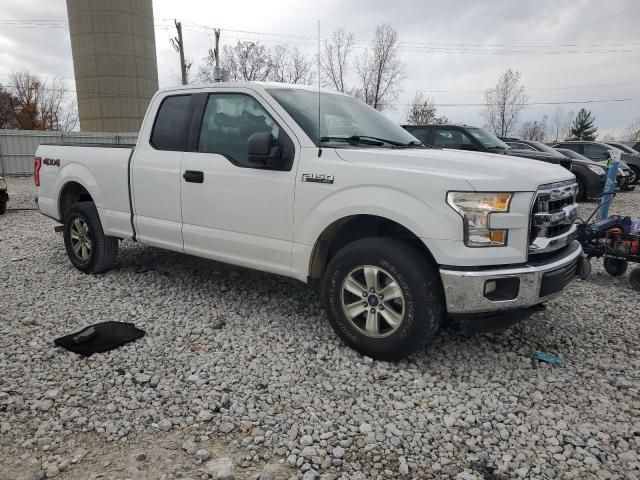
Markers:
{"x": 383, "y": 297}
{"x": 634, "y": 279}
{"x": 615, "y": 267}
{"x": 88, "y": 248}
{"x": 581, "y": 194}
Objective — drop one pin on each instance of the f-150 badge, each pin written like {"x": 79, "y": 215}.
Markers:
{"x": 317, "y": 178}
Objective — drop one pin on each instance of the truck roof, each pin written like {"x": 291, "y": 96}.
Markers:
{"x": 253, "y": 85}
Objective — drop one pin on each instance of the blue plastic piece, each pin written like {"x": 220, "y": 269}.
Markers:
{"x": 548, "y": 358}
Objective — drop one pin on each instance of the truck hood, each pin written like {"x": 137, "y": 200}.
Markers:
{"x": 483, "y": 171}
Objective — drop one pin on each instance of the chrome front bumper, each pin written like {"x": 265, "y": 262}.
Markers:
{"x": 465, "y": 289}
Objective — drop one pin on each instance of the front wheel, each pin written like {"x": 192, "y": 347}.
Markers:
{"x": 383, "y": 297}
{"x": 615, "y": 267}
{"x": 88, "y": 248}
{"x": 634, "y": 175}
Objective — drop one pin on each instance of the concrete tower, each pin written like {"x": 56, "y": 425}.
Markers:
{"x": 114, "y": 60}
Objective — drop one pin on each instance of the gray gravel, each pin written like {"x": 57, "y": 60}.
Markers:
{"x": 248, "y": 359}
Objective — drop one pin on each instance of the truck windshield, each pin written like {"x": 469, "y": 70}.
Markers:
{"x": 488, "y": 140}
{"x": 343, "y": 119}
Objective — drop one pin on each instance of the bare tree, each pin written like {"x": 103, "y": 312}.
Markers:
{"x": 380, "y": 70}
{"x": 206, "y": 70}
{"x": 560, "y": 124}
{"x": 608, "y": 138}
{"x": 423, "y": 111}
{"x": 290, "y": 65}
{"x": 7, "y": 117}
{"x": 247, "y": 61}
{"x": 633, "y": 130}
{"x": 534, "y": 130}
{"x": 35, "y": 104}
{"x": 334, "y": 59}
{"x": 504, "y": 103}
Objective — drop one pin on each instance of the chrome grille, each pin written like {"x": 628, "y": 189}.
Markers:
{"x": 552, "y": 218}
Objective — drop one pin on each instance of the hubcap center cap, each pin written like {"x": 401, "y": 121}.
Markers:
{"x": 373, "y": 300}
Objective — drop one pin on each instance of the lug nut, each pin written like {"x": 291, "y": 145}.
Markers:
{"x": 381, "y": 307}
{"x": 373, "y": 310}
{"x": 372, "y": 290}
{"x": 364, "y": 294}
{"x": 365, "y": 304}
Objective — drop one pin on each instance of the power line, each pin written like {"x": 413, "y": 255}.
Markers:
{"x": 568, "y": 87}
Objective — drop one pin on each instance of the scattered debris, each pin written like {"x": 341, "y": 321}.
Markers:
{"x": 546, "y": 358}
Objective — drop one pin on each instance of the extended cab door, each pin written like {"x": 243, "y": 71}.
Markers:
{"x": 155, "y": 172}
{"x": 233, "y": 210}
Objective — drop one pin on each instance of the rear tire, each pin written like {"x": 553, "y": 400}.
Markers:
{"x": 3, "y": 207}
{"x": 582, "y": 191}
{"x": 88, "y": 248}
{"x": 634, "y": 279}
{"x": 615, "y": 267}
{"x": 396, "y": 291}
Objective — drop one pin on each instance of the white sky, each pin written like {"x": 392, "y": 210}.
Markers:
{"x": 450, "y": 45}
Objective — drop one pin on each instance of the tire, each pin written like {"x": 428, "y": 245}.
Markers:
{"x": 615, "y": 267}
{"x": 416, "y": 282}
{"x": 581, "y": 194}
{"x": 634, "y": 279}
{"x": 3, "y": 207}
{"x": 88, "y": 248}
{"x": 635, "y": 172}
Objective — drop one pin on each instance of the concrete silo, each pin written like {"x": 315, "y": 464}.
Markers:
{"x": 114, "y": 60}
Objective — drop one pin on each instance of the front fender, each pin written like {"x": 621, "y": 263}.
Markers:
{"x": 397, "y": 205}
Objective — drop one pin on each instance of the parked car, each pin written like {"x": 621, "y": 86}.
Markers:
{"x": 636, "y": 147}
{"x": 599, "y": 151}
{"x": 399, "y": 236}
{"x": 465, "y": 137}
{"x": 590, "y": 176}
{"x": 623, "y": 147}
{"x": 622, "y": 177}
{"x": 4, "y": 196}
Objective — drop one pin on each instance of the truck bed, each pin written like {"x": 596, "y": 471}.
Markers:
{"x": 103, "y": 169}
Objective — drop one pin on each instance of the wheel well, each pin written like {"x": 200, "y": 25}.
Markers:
{"x": 348, "y": 229}
{"x": 72, "y": 193}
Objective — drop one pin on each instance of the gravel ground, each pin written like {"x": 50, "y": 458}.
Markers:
{"x": 240, "y": 376}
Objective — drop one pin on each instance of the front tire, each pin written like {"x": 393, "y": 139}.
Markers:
{"x": 383, "y": 297}
{"x": 634, "y": 179}
{"x": 615, "y": 267}
{"x": 88, "y": 248}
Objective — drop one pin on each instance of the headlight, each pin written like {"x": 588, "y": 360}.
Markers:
{"x": 475, "y": 209}
{"x": 596, "y": 169}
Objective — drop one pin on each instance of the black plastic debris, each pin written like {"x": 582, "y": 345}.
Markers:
{"x": 100, "y": 337}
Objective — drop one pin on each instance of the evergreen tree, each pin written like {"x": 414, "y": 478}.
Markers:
{"x": 583, "y": 128}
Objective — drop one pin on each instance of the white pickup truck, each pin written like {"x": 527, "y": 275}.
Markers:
{"x": 399, "y": 236}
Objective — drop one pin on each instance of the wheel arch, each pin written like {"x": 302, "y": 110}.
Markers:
{"x": 70, "y": 193}
{"x": 355, "y": 227}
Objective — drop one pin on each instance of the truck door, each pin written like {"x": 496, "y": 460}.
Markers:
{"x": 155, "y": 173}
{"x": 232, "y": 210}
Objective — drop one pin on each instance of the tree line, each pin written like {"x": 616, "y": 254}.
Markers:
{"x": 28, "y": 102}
{"x": 373, "y": 73}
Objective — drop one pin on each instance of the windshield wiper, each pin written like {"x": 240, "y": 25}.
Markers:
{"x": 496, "y": 148}
{"x": 368, "y": 140}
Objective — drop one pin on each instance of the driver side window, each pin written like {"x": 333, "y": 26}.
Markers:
{"x": 446, "y": 138}
{"x": 228, "y": 122}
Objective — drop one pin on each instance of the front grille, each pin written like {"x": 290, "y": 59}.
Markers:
{"x": 553, "y": 213}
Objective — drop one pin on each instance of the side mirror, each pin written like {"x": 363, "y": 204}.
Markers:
{"x": 263, "y": 150}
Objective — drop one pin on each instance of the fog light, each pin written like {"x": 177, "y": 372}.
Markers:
{"x": 502, "y": 289}
{"x": 489, "y": 287}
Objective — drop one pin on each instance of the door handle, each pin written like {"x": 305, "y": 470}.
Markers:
{"x": 193, "y": 176}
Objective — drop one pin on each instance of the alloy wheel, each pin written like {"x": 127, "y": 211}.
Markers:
{"x": 80, "y": 240}
{"x": 372, "y": 301}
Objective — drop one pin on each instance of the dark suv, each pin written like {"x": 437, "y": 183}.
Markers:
{"x": 465, "y": 137}
{"x": 599, "y": 152}
{"x": 590, "y": 175}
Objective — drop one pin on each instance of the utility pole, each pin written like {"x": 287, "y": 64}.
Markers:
{"x": 217, "y": 71}
{"x": 178, "y": 45}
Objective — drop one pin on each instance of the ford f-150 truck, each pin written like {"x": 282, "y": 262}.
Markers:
{"x": 400, "y": 237}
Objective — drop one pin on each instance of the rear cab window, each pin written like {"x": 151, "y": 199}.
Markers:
{"x": 171, "y": 124}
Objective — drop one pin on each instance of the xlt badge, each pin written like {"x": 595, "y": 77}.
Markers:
{"x": 317, "y": 178}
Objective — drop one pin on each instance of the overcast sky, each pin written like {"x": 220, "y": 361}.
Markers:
{"x": 459, "y": 46}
